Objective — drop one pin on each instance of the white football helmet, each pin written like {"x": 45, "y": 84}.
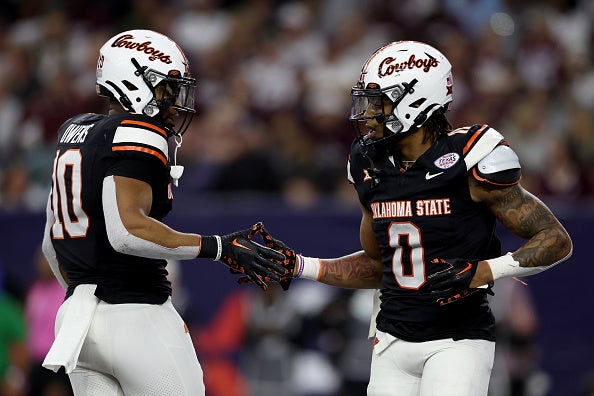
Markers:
{"x": 416, "y": 77}
{"x": 130, "y": 66}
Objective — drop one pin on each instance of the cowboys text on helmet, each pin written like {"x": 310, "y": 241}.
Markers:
{"x": 125, "y": 41}
{"x": 390, "y": 65}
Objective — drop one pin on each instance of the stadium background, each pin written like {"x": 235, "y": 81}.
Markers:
{"x": 270, "y": 141}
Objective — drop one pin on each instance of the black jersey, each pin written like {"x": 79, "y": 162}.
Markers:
{"x": 424, "y": 213}
{"x": 91, "y": 147}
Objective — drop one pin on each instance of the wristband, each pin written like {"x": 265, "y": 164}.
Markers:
{"x": 309, "y": 268}
{"x": 219, "y": 247}
{"x": 506, "y": 267}
{"x": 211, "y": 247}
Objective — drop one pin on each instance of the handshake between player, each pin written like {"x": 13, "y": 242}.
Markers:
{"x": 448, "y": 285}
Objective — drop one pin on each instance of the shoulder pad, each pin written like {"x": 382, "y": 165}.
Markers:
{"x": 481, "y": 141}
{"x": 501, "y": 167}
{"x": 133, "y": 135}
{"x": 86, "y": 118}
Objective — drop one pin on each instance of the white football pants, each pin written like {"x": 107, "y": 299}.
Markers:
{"x": 137, "y": 349}
{"x": 432, "y": 368}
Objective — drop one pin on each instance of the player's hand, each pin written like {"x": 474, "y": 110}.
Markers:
{"x": 290, "y": 257}
{"x": 452, "y": 283}
{"x": 259, "y": 263}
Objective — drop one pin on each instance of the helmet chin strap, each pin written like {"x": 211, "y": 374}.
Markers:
{"x": 176, "y": 170}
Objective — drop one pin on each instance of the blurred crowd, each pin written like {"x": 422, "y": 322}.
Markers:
{"x": 274, "y": 80}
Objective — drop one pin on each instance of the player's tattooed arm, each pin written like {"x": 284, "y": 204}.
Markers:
{"x": 360, "y": 270}
{"x": 356, "y": 270}
{"x": 528, "y": 217}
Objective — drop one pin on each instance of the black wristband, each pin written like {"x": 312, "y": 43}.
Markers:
{"x": 208, "y": 247}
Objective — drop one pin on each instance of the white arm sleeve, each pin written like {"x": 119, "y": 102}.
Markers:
{"x": 506, "y": 266}
{"x": 124, "y": 242}
{"x": 47, "y": 247}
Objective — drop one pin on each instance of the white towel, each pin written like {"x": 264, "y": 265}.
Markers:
{"x": 73, "y": 329}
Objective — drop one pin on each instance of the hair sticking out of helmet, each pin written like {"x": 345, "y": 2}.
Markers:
{"x": 413, "y": 77}
{"x": 131, "y": 67}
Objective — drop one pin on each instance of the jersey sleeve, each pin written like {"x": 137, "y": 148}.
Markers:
{"x": 140, "y": 150}
{"x": 489, "y": 158}
{"x": 359, "y": 173}
{"x": 349, "y": 174}
{"x": 356, "y": 164}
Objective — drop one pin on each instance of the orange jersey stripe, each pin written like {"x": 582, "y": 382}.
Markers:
{"x": 145, "y": 125}
{"x": 472, "y": 139}
{"x": 141, "y": 149}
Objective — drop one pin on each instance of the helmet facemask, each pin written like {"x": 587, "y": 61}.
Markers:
{"x": 367, "y": 101}
{"x": 171, "y": 91}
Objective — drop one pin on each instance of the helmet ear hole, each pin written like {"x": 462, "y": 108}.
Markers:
{"x": 417, "y": 103}
{"x": 129, "y": 85}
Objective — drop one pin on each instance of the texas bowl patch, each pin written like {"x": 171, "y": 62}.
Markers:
{"x": 447, "y": 160}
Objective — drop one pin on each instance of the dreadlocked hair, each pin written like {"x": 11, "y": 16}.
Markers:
{"x": 436, "y": 125}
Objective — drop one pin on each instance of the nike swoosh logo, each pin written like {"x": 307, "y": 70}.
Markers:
{"x": 469, "y": 266}
{"x": 240, "y": 245}
{"x": 430, "y": 175}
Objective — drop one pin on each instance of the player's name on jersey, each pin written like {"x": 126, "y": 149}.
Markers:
{"x": 75, "y": 133}
{"x": 422, "y": 207}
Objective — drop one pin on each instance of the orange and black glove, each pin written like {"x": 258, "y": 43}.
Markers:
{"x": 452, "y": 282}
{"x": 242, "y": 255}
{"x": 289, "y": 255}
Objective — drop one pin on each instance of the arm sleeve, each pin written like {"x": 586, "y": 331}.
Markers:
{"x": 124, "y": 242}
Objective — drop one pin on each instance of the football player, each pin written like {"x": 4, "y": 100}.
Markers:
{"x": 117, "y": 333}
{"x": 430, "y": 196}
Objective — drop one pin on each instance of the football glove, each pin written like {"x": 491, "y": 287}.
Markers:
{"x": 242, "y": 255}
{"x": 290, "y": 257}
{"x": 452, "y": 283}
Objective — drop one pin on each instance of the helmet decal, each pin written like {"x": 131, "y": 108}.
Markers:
{"x": 146, "y": 47}
{"x": 388, "y": 66}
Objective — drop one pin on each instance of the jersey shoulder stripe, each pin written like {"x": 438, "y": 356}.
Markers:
{"x": 480, "y": 143}
{"x": 139, "y": 136}
{"x": 146, "y": 125}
